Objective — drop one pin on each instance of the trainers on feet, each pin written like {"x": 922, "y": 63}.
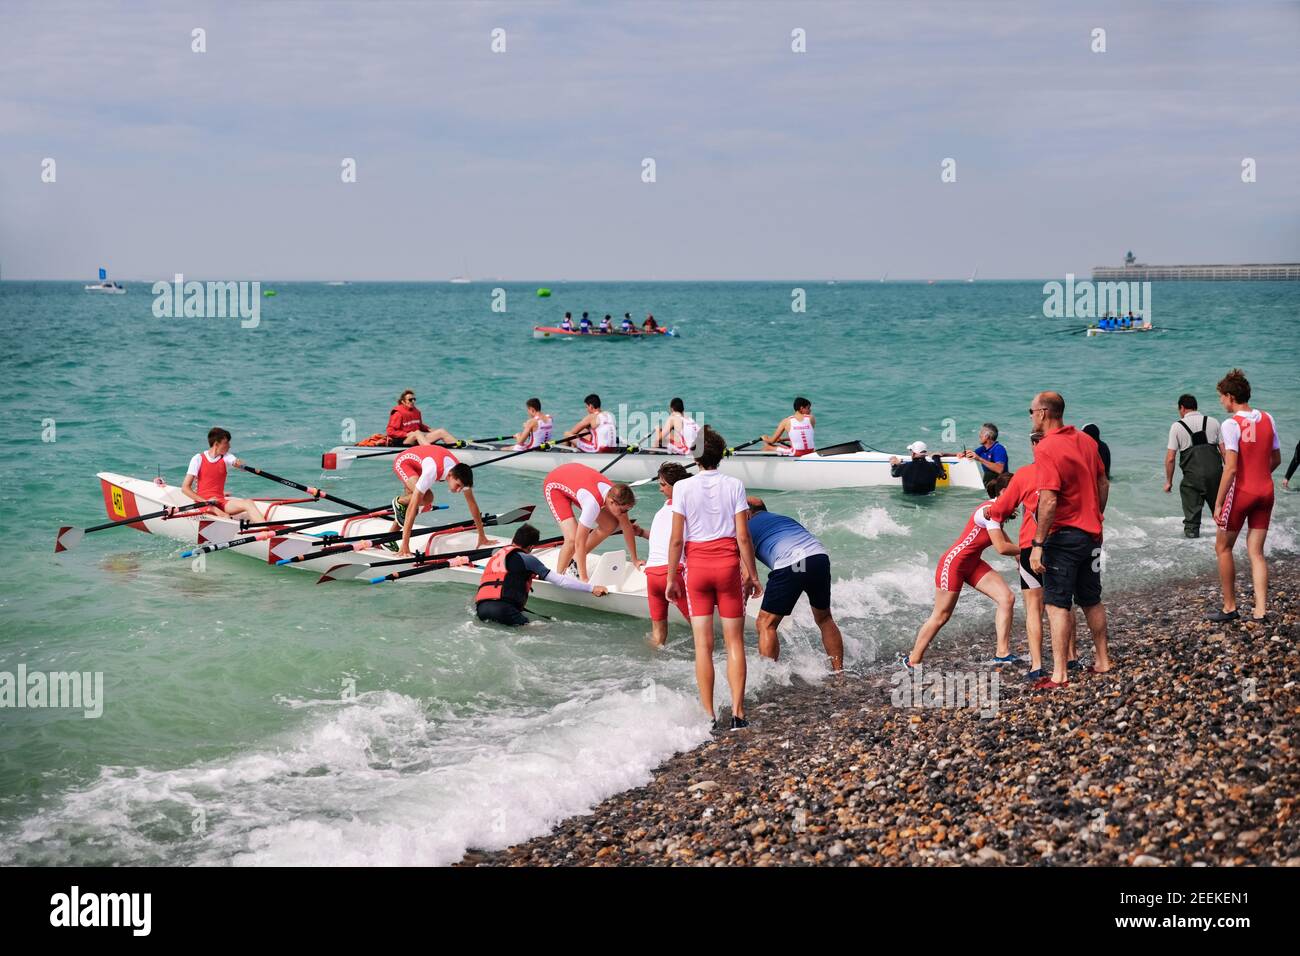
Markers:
{"x": 739, "y": 723}
{"x": 1223, "y": 617}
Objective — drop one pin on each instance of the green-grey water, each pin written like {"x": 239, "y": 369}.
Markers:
{"x": 251, "y": 716}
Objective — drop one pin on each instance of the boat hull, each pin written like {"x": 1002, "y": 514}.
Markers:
{"x": 553, "y": 332}
{"x": 767, "y": 471}
{"x": 126, "y": 497}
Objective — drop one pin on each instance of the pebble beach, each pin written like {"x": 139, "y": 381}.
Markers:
{"x": 1183, "y": 755}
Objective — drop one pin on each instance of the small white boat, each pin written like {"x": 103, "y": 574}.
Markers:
{"x": 126, "y": 497}
{"x": 757, "y": 469}
{"x": 105, "y": 285}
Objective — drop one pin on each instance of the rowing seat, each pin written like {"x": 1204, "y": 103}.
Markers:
{"x": 610, "y": 569}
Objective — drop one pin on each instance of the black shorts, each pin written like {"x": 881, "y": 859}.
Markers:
{"x": 501, "y": 613}
{"x": 1029, "y": 579}
{"x": 811, "y": 576}
{"x": 1072, "y": 559}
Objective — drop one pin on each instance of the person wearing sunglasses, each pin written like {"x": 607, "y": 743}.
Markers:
{"x": 406, "y": 425}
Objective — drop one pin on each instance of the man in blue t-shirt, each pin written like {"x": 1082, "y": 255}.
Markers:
{"x": 991, "y": 454}
{"x": 800, "y": 565}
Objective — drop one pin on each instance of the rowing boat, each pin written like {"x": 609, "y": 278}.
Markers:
{"x": 766, "y": 470}
{"x": 554, "y": 332}
{"x": 1094, "y": 331}
{"x": 126, "y": 497}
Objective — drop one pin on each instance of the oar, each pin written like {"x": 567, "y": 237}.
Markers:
{"x": 443, "y": 562}
{"x": 630, "y": 449}
{"x": 294, "y": 550}
{"x": 69, "y": 537}
{"x": 544, "y": 446}
{"x": 271, "y": 529}
{"x": 314, "y": 492}
{"x": 337, "y": 460}
{"x": 729, "y": 453}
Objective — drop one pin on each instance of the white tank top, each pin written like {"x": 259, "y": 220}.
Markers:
{"x": 605, "y": 434}
{"x": 686, "y": 435}
{"x": 801, "y": 434}
{"x": 539, "y": 435}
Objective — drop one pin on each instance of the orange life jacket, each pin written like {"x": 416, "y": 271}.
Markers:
{"x": 496, "y": 583}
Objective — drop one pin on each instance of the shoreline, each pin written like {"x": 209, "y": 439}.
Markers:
{"x": 1184, "y": 754}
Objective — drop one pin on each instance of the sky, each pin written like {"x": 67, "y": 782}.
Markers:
{"x": 527, "y": 164}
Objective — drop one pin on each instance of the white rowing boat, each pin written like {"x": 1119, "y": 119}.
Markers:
{"x": 765, "y": 470}
{"x": 126, "y": 497}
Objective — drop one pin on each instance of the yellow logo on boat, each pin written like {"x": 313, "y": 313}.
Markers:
{"x": 943, "y": 482}
{"x": 119, "y": 501}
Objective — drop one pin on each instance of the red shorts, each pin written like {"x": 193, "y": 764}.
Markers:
{"x": 711, "y": 574}
{"x": 560, "y": 500}
{"x": 656, "y": 579}
{"x": 1242, "y": 507}
{"x": 960, "y": 566}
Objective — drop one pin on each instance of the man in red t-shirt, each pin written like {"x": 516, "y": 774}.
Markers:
{"x": 1072, "y": 490}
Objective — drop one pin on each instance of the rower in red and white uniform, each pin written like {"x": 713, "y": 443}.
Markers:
{"x": 588, "y": 507}
{"x": 710, "y": 541}
{"x": 537, "y": 429}
{"x": 1252, "y": 451}
{"x": 205, "y": 479}
{"x": 797, "y": 430}
{"x": 679, "y": 431}
{"x": 418, "y": 470}
{"x": 963, "y": 564}
{"x": 600, "y": 430}
{"x": 656, "y": 563}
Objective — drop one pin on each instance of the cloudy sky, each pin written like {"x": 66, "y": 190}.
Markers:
{"x": 527, "y": 164}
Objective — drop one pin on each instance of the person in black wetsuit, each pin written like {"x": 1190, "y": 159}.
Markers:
{"x": 921, "y": 473}
{"x": 508, "y": 578}
{"x": 1093, "y": 432}
{"x": 1290, "y": 469}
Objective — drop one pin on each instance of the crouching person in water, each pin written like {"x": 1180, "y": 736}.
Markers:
{"x": 508, "y": 578}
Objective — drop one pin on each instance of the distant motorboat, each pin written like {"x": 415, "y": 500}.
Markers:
{"x": 106, "y": 286}
{"x": 460, "y": 280}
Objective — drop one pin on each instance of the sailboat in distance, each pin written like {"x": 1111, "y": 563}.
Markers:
{"x": 463, "y": 278}
{"x": 974, "y": 273}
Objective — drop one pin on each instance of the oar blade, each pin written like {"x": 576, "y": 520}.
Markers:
{"x": 287, "y": 548}
{"x": 218, "y": 532}
{"x": 513, "y": 517}
{"x": 343, "y": 572}
{"x": 843, "y": 448}
{"x": 67, "y": 539}
{"x": 336, "y": 459}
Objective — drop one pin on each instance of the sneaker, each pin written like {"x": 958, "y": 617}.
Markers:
{"x": 1191, "y": 534}
{"x": 1223, "y": 617}
{"x": 1009, "y": 659}
{"x": 739, "y": 723}
{"x": 399, "y": 511}
{"x": 392, "y": 546}
{"x": 1073, "y": 665}
{"x": 1046, "y": 683}
{"x": 1035, "y": 675}
{"x": 905, "y": 660}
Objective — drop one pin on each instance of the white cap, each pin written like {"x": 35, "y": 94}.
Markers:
{"x": 917, "y": 448}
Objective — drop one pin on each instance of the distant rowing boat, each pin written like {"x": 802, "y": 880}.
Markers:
{"x": 1094, "y": 331}
{"x": 554, "y": 332}
{"x": 769, "y": 470}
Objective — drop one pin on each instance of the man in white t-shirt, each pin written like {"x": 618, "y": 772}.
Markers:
{"x": 1194, "y": 439}
{"x": 711, "y": 532}
{"x": 205, "y": 479}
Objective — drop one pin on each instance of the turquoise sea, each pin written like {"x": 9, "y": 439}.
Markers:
{"x": 231, "y": 733}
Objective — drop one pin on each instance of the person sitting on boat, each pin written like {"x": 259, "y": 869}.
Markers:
{"x": 991, "y": 454}
{"x": 678, "y": 432}
{"x": 418, "y": 470}
{"x": 800, "y": 564}
{"x": 588, "y": 507}
{"x": 963, "y": 564}
{"x": 711, "y": 533}
{"x": 650, "y": 324}
{"x": 507, "y": 580}
{"x": 584, "y": 326}
{"x": 656, "y": 562}
{"x": 628, "y": 326}
{"x": 794, "y": 435}
{"x": 537, "y": 430}
{"x": 921, "y": 473}
{"x": 406, "y": 425}
{"x": 600, "y": 431}
{"x": 205, "y": 479}
{"x": 606, "y": 324}
{"x": 567, "y": 323}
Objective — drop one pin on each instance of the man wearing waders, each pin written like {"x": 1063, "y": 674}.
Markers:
{"x": 1195, "y": 440}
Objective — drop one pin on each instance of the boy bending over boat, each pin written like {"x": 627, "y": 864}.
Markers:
{"x": 418, "y": 470}
{"x": 205, "y": 479}
{"x": 588, "y": 507}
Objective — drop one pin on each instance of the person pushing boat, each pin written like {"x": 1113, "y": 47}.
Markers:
{"x": 588, "y": 507}
{"x": 599, "y": 431}
{"x": 679, "y": 431}
{"x": 205, "y": 479}
{"x": 963, "y": 563}
{"x": 418, "y": 470}
{"x": 710, "y": 542}
{"x": 508, "y": 576}
{"x": 656, "y": 563}
{"x": 537, "y": 429}
{"x": 406, "y": 425}
{"x": 795, "y": 434}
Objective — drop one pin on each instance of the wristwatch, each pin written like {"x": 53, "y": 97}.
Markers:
{"x": 1039, "y": 544}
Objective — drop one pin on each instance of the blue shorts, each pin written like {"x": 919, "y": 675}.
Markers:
{"x": 812, "y": 577}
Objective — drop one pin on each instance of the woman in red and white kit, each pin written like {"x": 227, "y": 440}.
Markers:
{"x": 711, "y": 527}
{"x": 1252, "y": 451}
{"x": 205, "y": 479}
{"x": 588, "y": 507}
{"x": 656, "y": 565}
{"x": 418, "y": 470}
{"x": 963, "y": 564}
